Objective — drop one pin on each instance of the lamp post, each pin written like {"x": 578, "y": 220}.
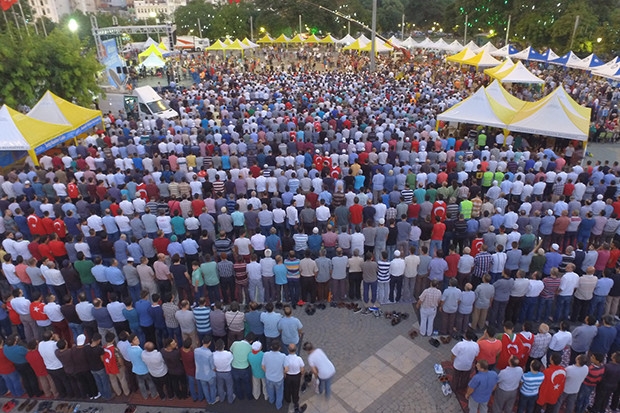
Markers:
{"x": 73, "y": 25}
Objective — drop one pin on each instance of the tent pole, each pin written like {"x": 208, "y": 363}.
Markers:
{"x": 33, "y": 156}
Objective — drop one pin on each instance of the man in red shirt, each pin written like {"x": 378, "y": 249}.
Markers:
{"x": 439, "y": 208}
{"x": 355, "y": 212}
{"x": 439, "y": 229}
{"x": 47, "y": 223}
{"x": 38, "y": 365}
{"x": 10, "y": 375}
{"x": 60, "y": 228}
{"x": 452, "y": 259}
{"x": 57, "y": 248}
{"x": 161, "y": 243}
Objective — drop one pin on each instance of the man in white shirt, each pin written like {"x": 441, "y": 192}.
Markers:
{"x": 463, "y": 355}
{"x": 293, "y": 372}
{"x": 508, "y": 383}
{"x": 47, "y": 348}
{"x": 397, "y": 270}
{"x": 321, "y": 367}
{"x": 157, "y": 369}
{"x": 412, "y": 262}
{"x": 575, "y": 375}
{"x": 222, "y": 360}
{"x": 568, "y": 284}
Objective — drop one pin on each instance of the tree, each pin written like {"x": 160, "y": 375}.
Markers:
{"x": 59, "y": 63}
{"x": 417, "y": 12}
{"x": 186, "y": 17}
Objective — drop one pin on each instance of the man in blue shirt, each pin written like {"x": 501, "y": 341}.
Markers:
{"x": 481, "y": 387}
{"x": 115, "y": 277}
{"x": 290, "y": 328}
{"x": 146, "y": 321}
{"x": 138, "y": 367}
{"x": 273, "y": 366}
{"x": 205, "y": 369}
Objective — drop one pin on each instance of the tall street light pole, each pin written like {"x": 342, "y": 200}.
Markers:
{"x": 373, "y": 36}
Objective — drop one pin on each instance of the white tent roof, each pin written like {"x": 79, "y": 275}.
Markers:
{"x": 149, "y": 42}
{"x": 476, "y": 109}
{"x": 591, "y": 62}
{"x": 153, "y": 61}
{"x": 504, "y": 51}
{"x": 520, "y": 74}
{"x": 557, "y": 114}
{"x": 489, "y": 47}
{"x": 409, "y": 43}
{"x": 426, "y": 44}
{"x": 456, "y": 46}
{"x": 380, "y": 46}
{"x": 496, "y": 91}
{"x": 441, "y": 44}
{"x": 363, "y": 40}
{"x": 609, "y": 70}
{"x": 11, "y": 138}
{"x": 472, "y": 46}
{"x": 396, "y": 42}
{"x": 348, "y": 39}
{"x": 47, "y": 110}
{"x": 570, "y": 59}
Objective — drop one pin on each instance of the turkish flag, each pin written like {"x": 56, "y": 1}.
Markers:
{"x": 6, "y": 4}
{"x": 552, "y": 386}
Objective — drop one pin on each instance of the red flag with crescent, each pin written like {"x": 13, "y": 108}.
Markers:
{"x": 6, "y": 4}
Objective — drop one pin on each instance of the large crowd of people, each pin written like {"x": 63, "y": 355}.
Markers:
{"x": 156, "y": 255}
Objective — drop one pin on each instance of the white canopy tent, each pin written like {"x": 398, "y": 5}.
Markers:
{"x": 504, "y": 51}
{"x": 11, "y": 138}
{"x": 346, "y": 40}
{"x": 153, "y": 61}
{"x": 489, "y": 47}
{"x": 441, "y": 44}
{"x": 396, "y": 42}
{"x": 426, "y": 44}
{"x": 519, "y": 74}
{"x": 478, "y": 109}
{"x": 409, "y": 43}
{"x": 472, "y": 46}
{"x": 456, "y": 46}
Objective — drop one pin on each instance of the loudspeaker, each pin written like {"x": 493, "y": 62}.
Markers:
{"x": 119, "y": 70}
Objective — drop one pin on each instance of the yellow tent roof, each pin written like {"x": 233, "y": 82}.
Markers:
{"x": 227, "y": 41}
{"x": 53, "y": 109}
{"x": 356, "y": 45}
{"x": 297, "y": 39}
{"x": 500, "y": 95}
{"x": 265, "y": 39}
{"x": 380, "y": 47}
{"x": 152, "y": 49}
{"x": 282, "y": 39}
{"x": 461, "y": 56}
{"x": 505, "y": 66}
{"x": 249, "y": 43}
{"x": 40, "y": 135}
{"x": 162, "y": 46}
{"x": 482, "y": 59}
{"x": 217, "y": 46}
{"x": 312, "y": 39}
{"x": 237, "y": 45}
{"x": 555, "y": 115}
{"x": 329, "y": 39}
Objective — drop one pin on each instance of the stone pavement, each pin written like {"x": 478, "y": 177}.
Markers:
{"x": 378, "y": 369}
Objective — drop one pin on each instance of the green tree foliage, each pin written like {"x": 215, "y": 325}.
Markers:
{"x": 59, "y": 63}
{"x": 545, "y": 23}
{"x": 417, "y": 12}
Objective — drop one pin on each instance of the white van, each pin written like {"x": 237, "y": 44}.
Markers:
{"x": 151, "y": 104}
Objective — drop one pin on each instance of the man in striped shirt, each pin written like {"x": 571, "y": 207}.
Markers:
{"x": 427, "y": 304}
{"x": 383, "y": 278}
{"x": 292, "y": 277}
{"x": 202, "y": 315}
{"x": 482, "y": 265}
{"x": 530, "y": 383}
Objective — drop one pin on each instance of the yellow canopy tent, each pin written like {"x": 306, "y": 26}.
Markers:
{"x": 312, "y": 39}
{"x": 217, "y": 46}
{"x": 151, "y": 49}
{"x": 31, "y": 134}
{"x": 461, "y": 56}
{"x": 297, "y": 39}
{"x": 282, "y": 39}
{"x": 556, "y": 115}
{"x": 482, "y": 59}
{"x": 237, "y": 45}
{"x": 249, "y": 43}
{"x": 496, "y": 91}
{"x": 380, "y": 47}
{"x": 162, "y": 47}
{"x": 266, "y": 39}
{"x": 505, "y": 66}
{"x": 356, "y": 45}
{"x": 53, "y": 109}
{"x": 227, "y": 41}
{"x": 329, "y": 39}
